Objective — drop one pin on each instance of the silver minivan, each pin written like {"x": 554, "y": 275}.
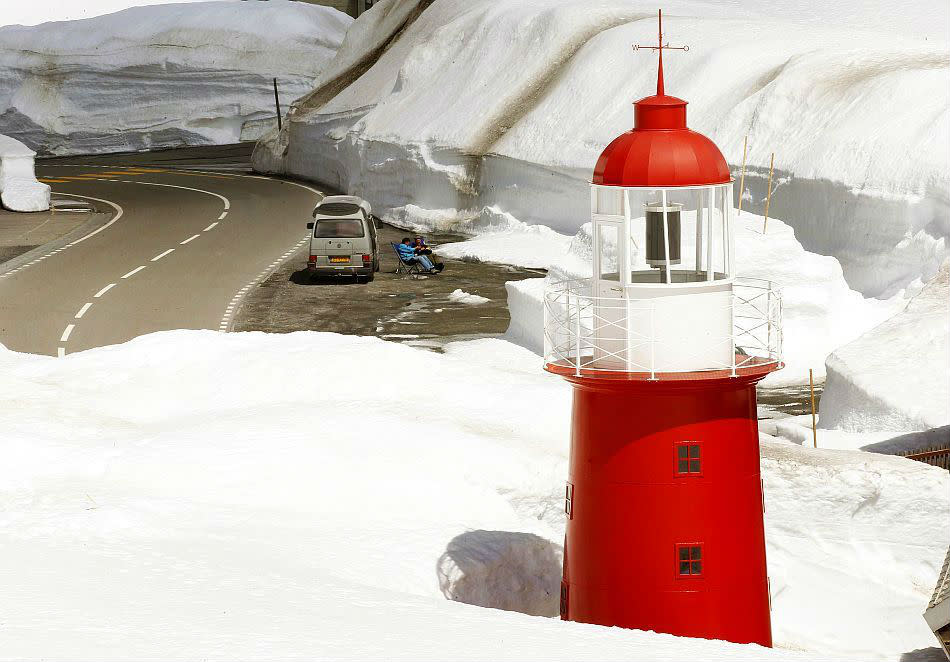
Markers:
{"x": 344, "y": 240}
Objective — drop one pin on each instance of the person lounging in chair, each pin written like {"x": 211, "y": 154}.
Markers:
{"x": 409, "y": 256}
{"x": 420, "y": 248}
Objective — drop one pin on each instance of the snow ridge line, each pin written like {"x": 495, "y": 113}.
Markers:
{"x": 524, "y": 100}
{"x": 329, "y": 89}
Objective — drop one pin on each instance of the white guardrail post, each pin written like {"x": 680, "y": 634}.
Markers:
{"x": 652, "y": 340}
{"x": 565, "y": 331}
{"x": 577, "y": 338}
{"x": 732, "y": 330}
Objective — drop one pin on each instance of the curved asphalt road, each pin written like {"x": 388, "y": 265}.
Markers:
{"x": 180, "y": 251}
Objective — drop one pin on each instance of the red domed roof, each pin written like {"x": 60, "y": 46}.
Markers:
{"x": 660, "y": 150}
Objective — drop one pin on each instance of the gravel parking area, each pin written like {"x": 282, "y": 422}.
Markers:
{"x": 395, "y": 307}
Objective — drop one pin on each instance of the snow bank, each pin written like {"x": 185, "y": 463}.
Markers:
{"x": 844, "y": 520}
{"x": 161, "y": 76}
{"x": 460, "y": 105}
{"x": 500, "y": 237}
{"x": 894, "y": 377}
{"x": 181, "y": 495}
{"x": 820, "y": 311}
{"x": 19, "y": 189}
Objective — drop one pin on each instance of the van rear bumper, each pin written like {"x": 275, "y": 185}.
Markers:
{"x": 325, "y": 270}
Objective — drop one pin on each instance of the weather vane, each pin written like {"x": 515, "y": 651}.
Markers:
{"x": 660, "y": 47}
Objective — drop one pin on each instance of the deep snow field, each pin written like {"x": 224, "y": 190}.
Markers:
{"x": 160, "y": 76}
{"x": 820, "y": 311}
{"x": 437, "y": 111}
{"x": 190, "y": 494}
{"x": 193, "y": 495}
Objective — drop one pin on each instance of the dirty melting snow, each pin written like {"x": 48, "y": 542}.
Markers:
{"x": 181, "y": 495}
{"x": 460, "y": 296}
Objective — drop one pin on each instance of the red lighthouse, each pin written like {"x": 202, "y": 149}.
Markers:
{"x": 664, "y": 346}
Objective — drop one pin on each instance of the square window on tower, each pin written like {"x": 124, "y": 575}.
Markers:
{"x": 689, "y": 559}
{"x": 688, "y": 458}
{"x": 569, "y": 501}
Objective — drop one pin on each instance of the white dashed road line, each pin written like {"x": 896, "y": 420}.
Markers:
{"x": 236, "y": 299}
{"x": 232, "y": 305}
{"x": 61, "y": 351}
{"x": 103, "y": 290}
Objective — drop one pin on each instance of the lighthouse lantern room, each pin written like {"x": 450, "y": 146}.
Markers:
{"x": 664, "y": 345}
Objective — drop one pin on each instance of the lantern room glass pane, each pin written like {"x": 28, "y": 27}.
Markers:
{"x": 608, "y": 235}
{"x": 689, "y": 223}
{"x": 608, "y": 201}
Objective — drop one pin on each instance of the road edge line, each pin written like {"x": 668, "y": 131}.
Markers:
{"x": 87, "y": 229}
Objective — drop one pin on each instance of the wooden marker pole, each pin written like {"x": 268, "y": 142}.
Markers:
{"x": 814, "y": 428}
{"x": 277, "y": 103}
{"x": 745, "y": 144}
{"x": 768, "y": 196}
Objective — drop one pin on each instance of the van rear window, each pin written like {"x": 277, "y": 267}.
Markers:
{"x": 344, "y": 228}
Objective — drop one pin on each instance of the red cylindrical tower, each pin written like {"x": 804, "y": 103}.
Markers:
{"x": 664, "y": 347}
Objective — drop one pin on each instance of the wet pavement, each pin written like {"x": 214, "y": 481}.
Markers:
{"x": 419, "y": 311}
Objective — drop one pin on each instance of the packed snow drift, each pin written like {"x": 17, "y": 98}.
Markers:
{"x": 161, "y": 76}
{"x": 820, "y": 311}
{"x": 894, "y": 377}
{"x": 195, "y": 494}
{"x": 19, "y": 189}
{"x": 460, "y": 105}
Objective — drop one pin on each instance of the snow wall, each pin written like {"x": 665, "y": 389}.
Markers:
{"x": 161, "y": 76}
{"x": 19, "y": 189}
{"x": 894, "y": 377}
{"x": 459, "y": 105}
{"x": 819, "y": 311}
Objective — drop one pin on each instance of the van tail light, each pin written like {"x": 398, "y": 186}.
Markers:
{"x": 313, "y": 259}
{"x": 366, "y": 259}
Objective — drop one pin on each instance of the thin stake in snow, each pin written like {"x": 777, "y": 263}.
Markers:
{"x": 745, "y": 144}
{"x": 277, "y": 103}
{"x": 814, "y": 428}
{"x": 768, "y": 195}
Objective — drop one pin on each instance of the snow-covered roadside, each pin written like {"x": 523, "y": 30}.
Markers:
{"x": 820, "y": 311}
{"x": 161, "y": 76}
{"x": 894, "y": 377}
{"x": 186, "y": 494}
{"x": 19, "y": 189}
{"x": 505, "y": 105}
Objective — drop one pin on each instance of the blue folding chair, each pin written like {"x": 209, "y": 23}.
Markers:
{"x": 411, "y": 267}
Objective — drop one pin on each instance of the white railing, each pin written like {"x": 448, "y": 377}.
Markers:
{"x": 585, "y": 334}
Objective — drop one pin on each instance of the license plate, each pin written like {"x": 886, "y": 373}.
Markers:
{"x": 339, "y": 259}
